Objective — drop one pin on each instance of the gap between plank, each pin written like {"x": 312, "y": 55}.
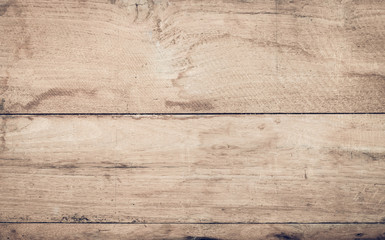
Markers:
{"x": 188, "y": 114}
{"x": 209, "y": 223}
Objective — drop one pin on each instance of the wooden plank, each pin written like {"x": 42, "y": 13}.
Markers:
{"x": 98, "y": 56}
{"x": 191, "y": 169}
{"x": 192, "y": 231}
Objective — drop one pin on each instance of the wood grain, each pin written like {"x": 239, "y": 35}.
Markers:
{"x": 190, "y": 169}
{"x": 126, "y": 56}
{"x": 192, "y": 231}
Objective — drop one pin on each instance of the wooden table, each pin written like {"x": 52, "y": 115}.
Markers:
{"x": 188, "y": 119}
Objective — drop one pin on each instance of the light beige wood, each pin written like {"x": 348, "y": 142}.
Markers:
{"x": 190, "y": 169}
{"x": 192, "y": 56}
{"x": 191, "y": 231}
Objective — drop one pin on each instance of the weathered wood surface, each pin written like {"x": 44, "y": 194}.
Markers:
{"x": 96, "y": 56}
{"x": 189, "y": 169}
{"x": 192, "y": 231}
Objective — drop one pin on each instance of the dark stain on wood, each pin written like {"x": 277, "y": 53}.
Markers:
{"x": 82, "y": 2}
{"x": 4, "y": 7}
{"x": 369, "y": 156}
{"x": 24, "y": 46}
{"x": 371, "y": 77}
{"x": 13, "y": 234}
{"x": 286, "y": 236}
{"x": 4, "y": 84}
{"x": 75, "y": 218}
{"x": 198, "y": 105}
{"x": 112, "y": 1}
{"x": 342, "y": 155}
{"x": 121, "y": 165}
{"x": 199, "y": 238}
{"x": 107, "y": 176}
{"x": 379, "y": 237}
{"x": 2, "y": 104}
{"x": 293, "y": 49}
{"x": 14, "y": 159}
{"x": 169, "y": 117}
{"x": 56, "y": 92}
{"x": 374, "y": 156}
{"x": 224, "y": 147}
{"x": 150, "y": 5}
{"x": 3, "y": 130}
{"x": 136, "y": 12}
{"x": 367, "y": 75}
{"x": 65, "y": 166}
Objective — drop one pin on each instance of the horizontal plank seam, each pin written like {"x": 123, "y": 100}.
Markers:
{"x": 208, "y": 223}
{"x": 188, "y": 114}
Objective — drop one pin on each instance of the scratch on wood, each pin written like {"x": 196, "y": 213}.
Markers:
{"x": 136, "y": 12}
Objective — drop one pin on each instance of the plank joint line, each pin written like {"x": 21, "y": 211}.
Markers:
{"x": 189, "y": 114}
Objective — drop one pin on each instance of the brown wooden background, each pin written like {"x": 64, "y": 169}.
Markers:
{"x": 188, "y": 119}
